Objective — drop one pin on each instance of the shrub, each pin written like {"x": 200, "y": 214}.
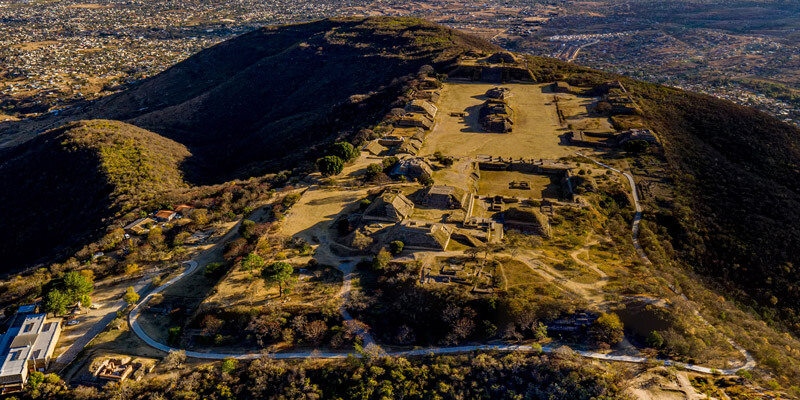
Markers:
{"x": 636, "y": 146}
{"x": 396, "y": 247}
{"x": 373, "y": 170}
{"x": 290, "y": 199}
{"x": 214, "y": 270}
{"x": 389, "y": 163}
{"x": 344, "y": 151}
{"x": 330, "y": 165}
{"x": 131, "y": 297}
{"x": 174, "y": 336}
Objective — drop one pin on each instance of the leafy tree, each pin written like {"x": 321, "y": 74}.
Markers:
{"x": 214, "y": 270}
{"x": 200, "y": 216}
{"x": 380, "y": 261}
{"x": 389, "y": 163}
{"x": 425, "y": 180}
{"x": 41, "y": 386}
{"x": 85, "y": 300}
{"x": 636, "y": 146}
{"x": 278, "y": 272}
{"x": 155, "y": 236}
{"x": 396, "y": 247}
{"x": 174, "y": 338}
{"x": 654, "y": 339}
{"x": 77, "y": 284}
{"x": 344, "y": 151}
{"x": 132, "y": 269}
{"x": 131, "y": 297}
{"x": 229, "y": 365}
{"x": 373, "y": 170}
{"x": 247, "y": 229}
{"x": 330, "y": 165}
{"x": 252, "y": 262}
{"x": 607, "y": 330}
{"x": 57, "y": 302}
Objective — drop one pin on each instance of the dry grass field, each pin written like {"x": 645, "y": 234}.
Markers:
{"x": 537, "y": 129}
{"x": 313, "y": 287}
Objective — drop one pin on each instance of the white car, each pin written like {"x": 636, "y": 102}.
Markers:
{"x": 94, "y": 306}
{"x": 73, "y": 322}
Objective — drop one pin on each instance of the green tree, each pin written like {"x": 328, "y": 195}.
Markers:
{"x": 382, "y": 259}
{"x": 252, "y": 262}
{"x": 35, "y": 380}
{"x": 77, "y": 284}
{"x": 654, "y": 339}
{"x": 174, "y": 339}
{"x": 607, "y": 330}
{"x": 425, "y": 180}
{"x": 389, "y": 163}
{"x": 330, "y": 165}
{"x": 131, "y": 297}
{"x": 278, "y": 272}
{"x": 85, "y": 300}
{"x": 57, "y": 302}
{"x": 636, "y": 146}
{"x": 247, "y": 229}
{"x": 373, "y": 170}
{"x": 229, "y": 365}
{"x": 344, "y": 151}
{"x": 396, "y": 247}
{"x": 155, "y": 236}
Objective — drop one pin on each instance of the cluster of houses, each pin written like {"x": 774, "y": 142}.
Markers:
{"x": 27, "y": 346}
{"x": 143, "y": 225}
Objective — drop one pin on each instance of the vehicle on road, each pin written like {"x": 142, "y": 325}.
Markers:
{"x": 73, "y": 322}
{"x": 94, "y": 307}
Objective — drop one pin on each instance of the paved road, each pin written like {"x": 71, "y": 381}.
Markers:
{"x": 90, "y": 330}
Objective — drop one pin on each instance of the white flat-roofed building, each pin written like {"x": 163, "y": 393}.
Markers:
{"x": 27, "y": 346}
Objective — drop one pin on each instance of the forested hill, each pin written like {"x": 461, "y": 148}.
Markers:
{"x": 257, "y": 102}
{"x": 260, "y": 101}
{"x": 61, "y": 187}
{"x": 254, "y": 104}
{"x": 737, "y": 178}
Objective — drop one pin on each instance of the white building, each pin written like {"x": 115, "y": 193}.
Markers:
{"x": 27, "y": 346}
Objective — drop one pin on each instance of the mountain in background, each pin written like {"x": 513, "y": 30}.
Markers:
{"x": 256, "y": 102}
{"x": 263, "y": 101}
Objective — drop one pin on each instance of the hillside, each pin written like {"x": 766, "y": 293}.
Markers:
{"x": 255, "y": 102}
{"x": 261, "y": 101}
{"x": 736, "y": 174}
{"x": 64, "y": 184}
